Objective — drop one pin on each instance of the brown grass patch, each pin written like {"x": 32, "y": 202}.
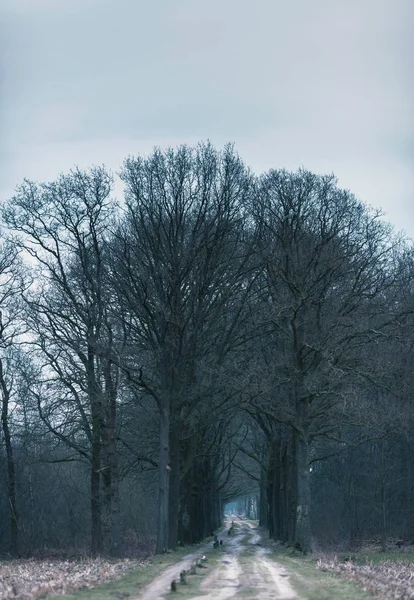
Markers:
{"x": 388, "y": 579}
{"x": 32, "y": 579}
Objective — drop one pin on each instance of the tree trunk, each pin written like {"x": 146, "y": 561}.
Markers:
{"x": 96, "y": 413}
{"x": 96, "y": 516}
{"x": 164, "y": 477}
{"x": 303, "y": 528}
{"x": 11, "y": 471}
{"x": 283, "y": 492}
{"x": 174, "y": 486}
{"x": 218, "y": 510}
{"x": 263, "y": 504}
{"x": 291, "y": 494}
{"x": 111, "y": 472}
{"x": 184, "y": 525}
{"x": 270, "y": 492}
{"x": 383, "y": 492}
{"x": 276, "y": 497}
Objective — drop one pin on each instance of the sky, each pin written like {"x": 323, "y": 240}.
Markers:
{"x": 323, "y": 84}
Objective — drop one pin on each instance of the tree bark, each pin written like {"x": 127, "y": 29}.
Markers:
{"x": 276, "y": 498}
{"x": 111, "y": 392}
{"x": 96, "y": 528}
{"x": 292, "y": 490}
{"x": 270, "y": 492}
{"x": 96, "y": 413}
{"x": 303, "y": 527}
{"x": 263, "y": 504}
{"x": 383, "y": 492}
{"x": 174, "y": 486}
{"x": 11, "y": 470}
{"x": 164, "y": 478}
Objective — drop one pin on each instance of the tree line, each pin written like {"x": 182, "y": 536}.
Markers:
{"x": 209, "y": 335}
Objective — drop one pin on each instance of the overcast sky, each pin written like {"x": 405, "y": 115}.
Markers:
{"x": 324, "y": 84}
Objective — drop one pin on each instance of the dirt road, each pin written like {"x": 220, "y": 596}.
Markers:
{"x": 240, "y": 569}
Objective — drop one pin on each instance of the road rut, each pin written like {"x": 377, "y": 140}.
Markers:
{"x": 244, "y": 571}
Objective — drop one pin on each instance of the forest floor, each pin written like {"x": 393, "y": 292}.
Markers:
{"x": 246, "y": 566}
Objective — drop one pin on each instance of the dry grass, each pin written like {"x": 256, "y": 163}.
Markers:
{"x": 32, "y": 579}
{"x": 388, "y": 579}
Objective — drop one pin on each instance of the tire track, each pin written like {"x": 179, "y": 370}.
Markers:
{"x": 250, "y": 577}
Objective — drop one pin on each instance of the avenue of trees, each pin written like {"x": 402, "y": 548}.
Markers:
{"x": 213, "y": 336}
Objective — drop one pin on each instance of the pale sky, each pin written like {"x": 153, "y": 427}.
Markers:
{"x": 324, "y": 84}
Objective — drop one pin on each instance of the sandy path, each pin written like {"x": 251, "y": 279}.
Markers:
{"x": 223, "y": 581}
{"x": 266, "y": 579}
{"x": 253, "y": 576}
{"x": 160, "y": 586}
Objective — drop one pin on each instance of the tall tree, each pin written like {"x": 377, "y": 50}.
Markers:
{"x": 181, "y": 274}
{"x": 12, "y": 283}
{"x": 329, "y": 267}
{"x": 63, "y": 226}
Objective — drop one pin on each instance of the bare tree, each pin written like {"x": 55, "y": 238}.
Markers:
{"x": 233, "y": 333}
{"x": 62, "y": 226}
{"x": 329, "y": 267}
{"x": 181, "y": 274}
{"x": 11, "y": 328}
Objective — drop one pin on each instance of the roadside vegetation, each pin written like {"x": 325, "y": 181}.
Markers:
{"x": 344, "y": 575}
{"x": 86, "y": 579}
{"x": 383, "y": 574}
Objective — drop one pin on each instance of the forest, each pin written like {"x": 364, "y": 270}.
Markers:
{"x": 207, "y": 336}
